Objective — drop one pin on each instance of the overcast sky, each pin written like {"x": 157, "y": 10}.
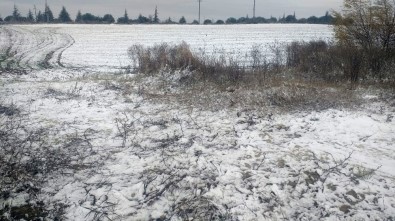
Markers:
{"x": 210, "y": 9}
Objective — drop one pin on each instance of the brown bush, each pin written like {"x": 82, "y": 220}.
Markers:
{"x": 332, "y": 62}
{"x": 315, "y": 57}
{"x": 150, "y": 60}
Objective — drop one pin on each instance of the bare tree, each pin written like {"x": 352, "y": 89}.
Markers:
{"x": 368, "y": 28}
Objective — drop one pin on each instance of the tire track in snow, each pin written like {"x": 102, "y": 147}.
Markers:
{"x": 31, "y": 53}
{"x": 37, "y": 57}
{"x": 36, "y": 49}
{"x": 71, "y": 43}
{"x": 8, "y": 44}
{"x": 5, "y": 45}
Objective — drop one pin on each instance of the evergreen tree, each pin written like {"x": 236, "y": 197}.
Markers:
{"x": 259, "y": 20}
{"x": 156, "y": 19}
{"x": 312, "y": 20}
{"x": 9, "y": 18}
{"x": 30, "y": 17}
{"x": 90, "y": 18}
{"x": 125, "y": 16}
{"x": 327, "y": 19}
{"x": 242, "y": 20}
{"x": 207, "y": 22}
{"x": 107, "y": 18}
{"x": 40, "y": 17}
{"x": 302, "y": 20}
{"x": 272, "y": 19}
{"x": 231, "y": 20}
{"x": 282, "y": 20}
{"x": 182, "y": 20}
{"x": 16, "y": 16}
{"x": 1, "y": 19}
{"x": 64, "y": 16}
{"x": 48, "y": 15}
{"x": 121, "y": 20}
{"x": 169, "y": 21}
{"x": 142, "y": 19}
{"x": 290, "y": 19}
{"x": 78, "y": 19}
{"x": 124, "y": 19}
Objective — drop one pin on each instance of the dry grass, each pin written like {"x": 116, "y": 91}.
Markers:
{"x": 302, "y": 76}
{"x": 276, "y": 94}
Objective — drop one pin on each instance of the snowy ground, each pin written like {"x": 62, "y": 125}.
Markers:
{"x": 164, "y": 158}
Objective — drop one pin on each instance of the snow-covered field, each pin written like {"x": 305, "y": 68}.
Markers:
{"x": 105, "y": 46}
{"x": 160, "y": 158}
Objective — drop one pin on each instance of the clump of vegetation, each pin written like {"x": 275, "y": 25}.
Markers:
{"x": 150, "y": 60}
{"x": 315, "y": 57}
{"x": 29, "y": 157}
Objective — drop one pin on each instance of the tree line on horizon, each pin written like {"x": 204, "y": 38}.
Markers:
{"x": 47, "y": 16}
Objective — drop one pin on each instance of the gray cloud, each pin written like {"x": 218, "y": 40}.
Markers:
{"x": 211, "y": 9}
